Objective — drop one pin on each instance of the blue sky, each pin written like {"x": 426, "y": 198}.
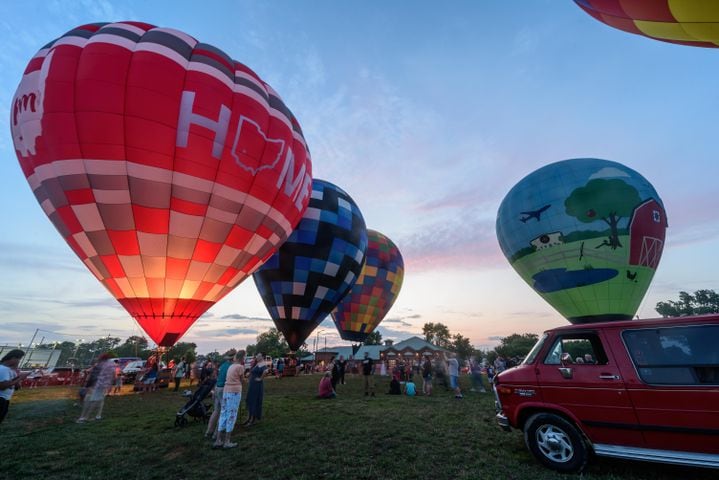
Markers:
{"x": 427, "y": 115}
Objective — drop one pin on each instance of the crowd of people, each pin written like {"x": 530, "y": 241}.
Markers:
{"x": 225, "y": 378}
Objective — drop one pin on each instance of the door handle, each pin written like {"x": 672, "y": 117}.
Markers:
{"x": 608, "y": 376}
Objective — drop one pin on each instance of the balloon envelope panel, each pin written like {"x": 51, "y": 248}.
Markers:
{"x": 170, "y": 169}
{"x": 586, "y": 234}
{"x": 374, "y": 293}
{"x": 686, "y": 22}
{"x": 317, "y": 265}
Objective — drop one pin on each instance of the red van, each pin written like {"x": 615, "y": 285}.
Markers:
{"x": 640, "y": 389}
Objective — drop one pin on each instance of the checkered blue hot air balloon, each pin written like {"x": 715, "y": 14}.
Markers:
{"x": 317, "y": 265}
{"x": 376, "y": 289}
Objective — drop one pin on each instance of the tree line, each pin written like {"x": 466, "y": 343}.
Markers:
{"x": 273, "y": 343}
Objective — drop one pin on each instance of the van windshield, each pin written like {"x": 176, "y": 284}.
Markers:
{"x": 535, "y": 350}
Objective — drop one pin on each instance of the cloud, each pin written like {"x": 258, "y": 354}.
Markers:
{"x": 395, "y": 334}
{"x": 238, "y": 316}
{"x": 609, "y": 172}
{"x": 226, "y": 332}
{"x": 460, "y": 241}
{"x": 401, "y": 319}
{"x": 496, "y": 338}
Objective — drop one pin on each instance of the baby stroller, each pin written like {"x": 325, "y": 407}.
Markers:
{"x": 195, "y": 406}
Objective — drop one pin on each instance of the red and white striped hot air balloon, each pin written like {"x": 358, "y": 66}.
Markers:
{"x": 170, "y": 169}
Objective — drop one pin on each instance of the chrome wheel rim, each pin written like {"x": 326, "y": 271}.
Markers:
{"x": 554, "y": 443}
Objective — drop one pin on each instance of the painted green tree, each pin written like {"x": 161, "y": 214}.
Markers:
{"x": 603, "y": 200}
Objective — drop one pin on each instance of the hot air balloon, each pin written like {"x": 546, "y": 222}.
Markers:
{"x": 377, "y": 287}
{"x": 586, "y": 235}
{"x": 170, "y": 169}
{"x": 317, "y": 265}
{"x": 686, "y": 22}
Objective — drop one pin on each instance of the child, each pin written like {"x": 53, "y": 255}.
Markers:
{"x": 409, "y": 387}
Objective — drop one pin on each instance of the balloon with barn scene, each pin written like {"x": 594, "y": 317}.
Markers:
{"x": 586, "y": 234}
{"x": 171, "y": 170}
{"x": 685, "y": 22}
{"x": 375, "y": 291}
{"x": 317, "y": 265}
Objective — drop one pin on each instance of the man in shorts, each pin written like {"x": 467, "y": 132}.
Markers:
{"x": 453, "y": 367}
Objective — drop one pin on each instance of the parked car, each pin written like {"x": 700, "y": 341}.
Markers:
{"x": 131, "y": 370}
{"x": 164, "y": 377}
{"x": 63, "y": 376}
{"x": 643, "y": 390}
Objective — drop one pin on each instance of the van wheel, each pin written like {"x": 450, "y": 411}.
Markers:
{"x": 555, "y": 442}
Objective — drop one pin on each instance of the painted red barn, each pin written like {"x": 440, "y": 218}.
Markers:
{"x": 647, "y": 229}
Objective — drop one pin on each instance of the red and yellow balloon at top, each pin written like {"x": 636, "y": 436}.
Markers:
{"x": 686, "y": 22}
{"x": 170, "y": 169}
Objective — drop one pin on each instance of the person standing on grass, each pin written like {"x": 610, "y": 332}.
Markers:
{"x": 476, "y": 372}
{"x": 180, "y": 370}
{"x": 118, "y": 378}
{"x": 231, "y": 396}
{"x": 367, "y": 371}
{"x": 256, "y": 390}
{"x": 335, "y": 374}
{"x": 427, "y": 377}
{"x": 453, "y": 367}
{"x": 149, "y": 379}
{"x": 217, "y": 397}
{"x": 342, "y": 363}
{"x": 104, "y": 373}
{"x": 10, "y": 377}
{"x": 280, "y": 368}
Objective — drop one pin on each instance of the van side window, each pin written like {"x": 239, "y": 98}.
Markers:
{"x": 582, "y": 348}
{"x": 675, "y": 355}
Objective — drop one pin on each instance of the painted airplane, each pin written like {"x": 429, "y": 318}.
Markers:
{"x": 533, "y": 214}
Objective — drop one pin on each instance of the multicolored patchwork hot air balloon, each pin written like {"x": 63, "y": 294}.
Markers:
{"x": 170, "y": 169}
{"x": 375, "y": 291}
{"x": 686, "y": 22}
{"x": 586, "y": 234}
{"x": 317, "y": 265}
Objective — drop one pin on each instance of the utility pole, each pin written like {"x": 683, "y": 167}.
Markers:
{"x": 29, "y": 351}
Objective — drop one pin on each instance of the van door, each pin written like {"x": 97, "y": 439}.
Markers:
{"x": 676, "y": 388}
{"x": 578, "y": 374}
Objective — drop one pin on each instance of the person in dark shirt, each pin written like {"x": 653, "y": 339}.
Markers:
{"x": 342, "y": 363}
{"x": 335, "y": 377}
{"x": 427, "y": 377}
{"x": 367, "y": 371}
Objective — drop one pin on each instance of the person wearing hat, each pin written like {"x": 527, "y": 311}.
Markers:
{"x": 217, "y": 395}
{"x": 9, "y": 378}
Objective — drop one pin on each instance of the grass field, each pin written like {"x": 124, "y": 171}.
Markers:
{"x": 351, "y": 437}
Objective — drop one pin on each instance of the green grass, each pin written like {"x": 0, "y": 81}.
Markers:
{"x": 351, "y": 437}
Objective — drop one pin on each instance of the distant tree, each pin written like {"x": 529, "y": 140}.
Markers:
{"x": 703, "y": 301}
{"x": 437, "y": 334}
{"x": 182, "y": 349}
{"x": 374, "y": 338}
{"x": 491, "y": 356}
{"x": 605, "y": 200}
{"x": 134, "y": 346}
{"x": 271, "y": 343}
{"x": 67, "y": 350}
{"x": 516, "y": 345}
{"x": 462, "y": 346}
